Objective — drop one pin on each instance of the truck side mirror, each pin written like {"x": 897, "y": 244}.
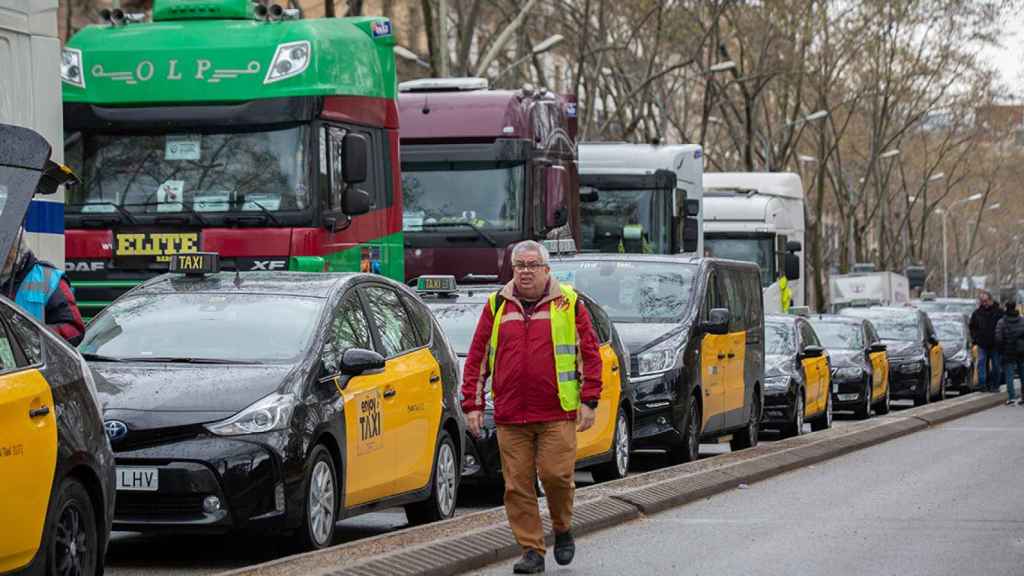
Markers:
{"x": 355, "y": 201}
{"x": 791, "y": 263}
{"x": 691, "y": 225}
{"x": 555, "y": 211}
{"x": 793, "y": 246}
{"x": 355, "y": 154}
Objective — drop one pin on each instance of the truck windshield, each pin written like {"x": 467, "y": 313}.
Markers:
{"x": 170, "y": 173}
{"x": 632, "y": 292}
{"x": 487, "y": 195}
{"x": 633, "y": 221}
{"x": 760, "y": 251}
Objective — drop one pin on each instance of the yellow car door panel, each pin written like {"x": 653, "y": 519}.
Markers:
{"x": 810, "y": 369}
{"x": 28, "y": 456}
{"x": 598, "y": 439}
{"x": 938, "y": 367}
{"x": 712, "y": 346}
{"x": 415, "y": 409}
{"x": 735, "y": 388}
{"x": 369, "y": 473}
{"x": 880, "y": 370}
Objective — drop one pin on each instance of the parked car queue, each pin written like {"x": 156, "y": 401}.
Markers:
{"x": 283, "y": 402}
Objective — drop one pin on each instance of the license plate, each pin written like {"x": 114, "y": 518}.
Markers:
{"x": 835, "y": 388}
{"x": 131, "y": 478}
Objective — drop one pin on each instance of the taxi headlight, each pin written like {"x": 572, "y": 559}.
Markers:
{"x": 911, "y": 366}
{"x": 660, "y": 358}
{"x": 776, "y": 383}
{"x": 960, "y": 356}
{"x": 271, "y": 413}
{"x": 849, "y": 373}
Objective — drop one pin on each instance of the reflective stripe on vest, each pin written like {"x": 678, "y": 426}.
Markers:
{"x": 563, "y": 336}
{"x": 39, "y": 284}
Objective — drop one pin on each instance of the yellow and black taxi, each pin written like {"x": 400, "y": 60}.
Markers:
{"x": 957, "y": 349}
{"x": 275, "y": 401}
{"x": 797, "y": 376}
{"x": 916, "y": 365}
{"x": 860, "y": 365}
{"x": 56, "y": 467}
{"x": 604, "y": 449}
{"x": 694, "y": 328}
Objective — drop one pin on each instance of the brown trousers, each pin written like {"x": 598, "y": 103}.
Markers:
{"x": 547, "y": 449}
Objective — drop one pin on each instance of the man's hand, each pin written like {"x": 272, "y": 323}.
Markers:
{"x": 475, "y": 422}
{"x": 584, "y": 418}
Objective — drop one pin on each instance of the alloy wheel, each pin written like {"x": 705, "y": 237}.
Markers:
{"x": 799, "y": 416}
{"x": 622, "y": 445}
{"x": 72, "y": 540}
{"x": 320, "y": 503}
{"x": 446, "y": 479}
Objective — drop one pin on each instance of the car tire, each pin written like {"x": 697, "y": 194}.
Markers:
{"x": 689, "y": 450}
{"x": 320, "y": 496}
{"x": 618, "y": 466}
{"x": 72, "y": 541}
{"x": 883, "y": 406}
{"x": 444, "y": 486}
{"x": 796, "y": 426}
{"x": 925, "y": 394}
{"x": 747, "y": 437}
{"x": 864, "y": 412}
{"x": 824, "y": 422}
{"x": 942, "y": 385}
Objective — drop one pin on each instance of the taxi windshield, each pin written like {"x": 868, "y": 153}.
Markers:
{"x": 204, "y": 326}
{"x": 458, "y": 322}
{"x": 897, "y": 330}
{"x": 637, "y": 292}
{"x": 839, "y": 336}
{"x": 950, "y": 331}
{"x": 779, "y": 339}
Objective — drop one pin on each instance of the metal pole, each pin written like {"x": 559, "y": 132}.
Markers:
{"x": 443, "y": 37}
{"x": 945, "y": 258}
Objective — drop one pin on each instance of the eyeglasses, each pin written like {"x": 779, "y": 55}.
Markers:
{"x": 531, "y": 266}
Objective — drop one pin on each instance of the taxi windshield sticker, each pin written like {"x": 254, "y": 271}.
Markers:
{"x": 182, "y": 147}
{"x": 169, "y": 196}
{"x": 370, "y": 424}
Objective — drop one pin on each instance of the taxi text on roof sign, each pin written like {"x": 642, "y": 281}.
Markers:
{"x": 195, "y": 264}
{"x": 436, "y": 284}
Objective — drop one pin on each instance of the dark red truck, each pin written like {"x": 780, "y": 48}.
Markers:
{"x": 481, "y": 170}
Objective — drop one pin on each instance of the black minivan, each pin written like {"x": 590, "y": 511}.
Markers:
{"x": 695, "y": 331}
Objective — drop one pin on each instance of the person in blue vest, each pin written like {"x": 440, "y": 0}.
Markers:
{"x": 40, "y": 289}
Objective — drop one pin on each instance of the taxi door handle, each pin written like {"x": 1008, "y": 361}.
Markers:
{"x": 731, "y": 355}
{"x": 37, "y": 412}
{"x": 721, "y": 355}
{"x": 390, "y": 392}
{"x": 615, "y": 368}
{"x": 434, "y": 378}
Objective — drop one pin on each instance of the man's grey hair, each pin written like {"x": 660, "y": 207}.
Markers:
{"x": 531, "y": 246}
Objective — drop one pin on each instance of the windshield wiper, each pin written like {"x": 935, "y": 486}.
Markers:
{"x": 120, "y": 210}
{"x": 269, "y": 214}
{"x": 100, "y": 358}
{"x": 181, "y": 360}
{"x": 474, "y": 227}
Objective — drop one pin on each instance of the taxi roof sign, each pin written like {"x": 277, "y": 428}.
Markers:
{"x": 438, "y": 284}
{"x": 195, "y": 264}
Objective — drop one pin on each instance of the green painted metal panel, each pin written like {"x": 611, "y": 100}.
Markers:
{"x": 105, "y": 283}
{"x": 388, "y": 250}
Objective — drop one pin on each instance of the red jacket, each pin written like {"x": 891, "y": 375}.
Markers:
{"x": 525, "y": 388}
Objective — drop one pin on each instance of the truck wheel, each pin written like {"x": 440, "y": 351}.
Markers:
{"x": 618, "y": 466}
{"x": 72, "y": 543}
{"x": 747, "y": 437}
{"x": 444, "y": 487}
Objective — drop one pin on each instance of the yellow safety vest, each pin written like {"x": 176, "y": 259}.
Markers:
{"x": 785, "y": 293}
{"x": 563, "y": 336}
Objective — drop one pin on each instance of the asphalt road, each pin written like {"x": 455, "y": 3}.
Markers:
{"x": 132, "y": 554}
{"x": 948, "y": 500}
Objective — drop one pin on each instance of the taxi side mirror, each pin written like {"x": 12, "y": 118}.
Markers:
{"x": 717, "y": 322}
{"x": 813, "y": 352}
{"x": 356, "y": 361}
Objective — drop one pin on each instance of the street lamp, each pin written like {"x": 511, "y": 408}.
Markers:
{"x": 539, "y": 48}
{"x": 410, "y": 56}
{"x": 890, "y": 153}
{"x": 945, "y": 249}
{"x": 721, "y": 67}
{"x": 817, "y": 115}
{"x": 937, "y": 177}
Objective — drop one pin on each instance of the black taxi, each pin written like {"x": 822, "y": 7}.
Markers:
{"x": 604, "y": 449}
{"x": 694, "y": 328}
{"x": 275, "y": 401}
{"x": 797, "y": 384}
{"x": 56, "y": 467}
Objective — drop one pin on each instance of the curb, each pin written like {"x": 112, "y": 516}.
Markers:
{"x": 464, "y": 548}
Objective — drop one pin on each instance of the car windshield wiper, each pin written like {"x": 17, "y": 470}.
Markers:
{"x": 181, "y": 360}
{"x": 120, "y": 210}
{"x": 474, "y": 227}
{"x": 100, "y": 358}
{"x": 268, "y": 213}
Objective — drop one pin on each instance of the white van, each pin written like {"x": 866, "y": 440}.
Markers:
{"x": 758, "y": 217}
{"x": 30, "y": 96}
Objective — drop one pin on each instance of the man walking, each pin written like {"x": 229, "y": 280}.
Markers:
{"x": 535, "y": 341}
{"x": 983, "y": 333}
{"x": 1010, "y": 340}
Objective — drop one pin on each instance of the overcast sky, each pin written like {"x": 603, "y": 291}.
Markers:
{"x": 1010, "y": 58}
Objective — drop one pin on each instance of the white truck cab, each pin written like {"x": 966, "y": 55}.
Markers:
{"x": 641, "y": 198}
{"x": 30, "y": 96}
{"x": 758, "y": 217}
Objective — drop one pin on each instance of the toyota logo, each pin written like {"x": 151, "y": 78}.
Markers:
{"x": 115, "y": 429}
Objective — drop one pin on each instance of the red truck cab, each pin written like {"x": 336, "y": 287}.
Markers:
{"x": 481, "y": 170}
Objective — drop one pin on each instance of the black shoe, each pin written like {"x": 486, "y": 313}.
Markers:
{"x": 565, "y": 548}
{"x": 530, "y": 563}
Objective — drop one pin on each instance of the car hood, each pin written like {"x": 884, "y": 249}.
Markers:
{"x": 779, "y": 365}
{"x": 638, "y": 336}
{"x": 843, "y": 357}
{"x": 896, "y": 348}
{"x": 177, "y": 395}
{"x": 950, "y": 349}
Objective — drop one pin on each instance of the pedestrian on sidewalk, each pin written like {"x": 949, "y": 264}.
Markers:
{"x": 535, "y": 342}
{"x": 1010, "y": 340}
{"x": 983, "y": 333}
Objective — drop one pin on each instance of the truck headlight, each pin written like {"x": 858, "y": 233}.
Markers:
{"x": 290, "y": 60}
{"x": 849, "y": 373}
{"x": 71, "y": 67}
{"x": 271, "y": 413}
